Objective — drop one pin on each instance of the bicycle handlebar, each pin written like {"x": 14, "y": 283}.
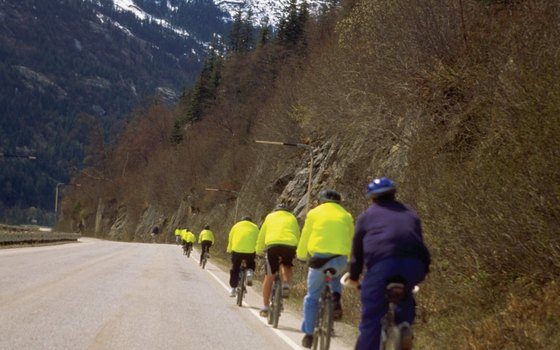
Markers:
{"x": 348, "y": 283}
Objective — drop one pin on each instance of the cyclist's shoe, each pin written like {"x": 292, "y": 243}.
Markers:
{"x": 249, "y": 277}
{"x": 406, "y": 336}
{"x": 307, "y": 341}
{"x": 233, "y": 292}
{"x": 285, "y": 291}
{"x": 337, "y": 315}
{"x": 263, "y": 313}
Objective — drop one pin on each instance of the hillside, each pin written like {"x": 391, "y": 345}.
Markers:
{"x": 459, "y": 102}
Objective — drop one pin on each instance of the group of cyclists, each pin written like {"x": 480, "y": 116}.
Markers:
{"x": 187, "y": 238}
{"x": 386, "y": 239}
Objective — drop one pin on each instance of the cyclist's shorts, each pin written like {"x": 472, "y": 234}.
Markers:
{"x": 206, "y": 244}
{"x": 287, "y": 253}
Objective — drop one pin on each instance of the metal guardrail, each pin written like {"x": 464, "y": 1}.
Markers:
{"x": 22, "y": 234}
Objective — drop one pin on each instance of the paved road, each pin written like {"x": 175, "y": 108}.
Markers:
{"x": 106, "y": 295}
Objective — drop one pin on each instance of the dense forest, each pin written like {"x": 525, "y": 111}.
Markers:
{"x": 68, "y": 67}
{"x": 458, "y": 101}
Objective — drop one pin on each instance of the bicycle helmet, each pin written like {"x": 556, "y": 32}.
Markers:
{"x": 247, "y": 218}
{"x": 329, "y": 196}
{"x": 206, "y": 227}
{"x": 281, "y": 206}
{"x": 380, "y": 187}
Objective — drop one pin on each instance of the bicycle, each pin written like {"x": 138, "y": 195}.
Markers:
{"x": 276, "y": 303}
{"x": 188, "y": 251}
{"x": 242, "y": 284}
{"x": 204, "y": 259}
{"x": 324, "y": 323}
{"x": 395, "y": 336}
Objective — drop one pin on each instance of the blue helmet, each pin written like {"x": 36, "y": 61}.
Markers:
{"x": 380, "y": 187}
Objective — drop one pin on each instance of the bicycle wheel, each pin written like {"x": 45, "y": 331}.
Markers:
{"x": 270, "y": 316}
{"x": 392, "y": 339}
{"x": 204, "y": 261}
{"x": 241, "y": 287}
{"x": 324, "y": 322}
{"x": 277, "y": 304}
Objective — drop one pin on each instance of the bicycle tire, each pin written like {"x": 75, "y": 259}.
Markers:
{"x": 277, "y": 304}
{"x": 241, "y": 287}
{"x": 392, "y": 340}
{"x": 270, "y": 316}
{"x": 204, "y": 262}
{"x": 324, "y": 323}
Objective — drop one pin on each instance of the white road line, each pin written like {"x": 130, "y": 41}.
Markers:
{"x": 279, "y": 333}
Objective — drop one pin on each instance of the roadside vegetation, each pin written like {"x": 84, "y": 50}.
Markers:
{"x": 458, "y": 101}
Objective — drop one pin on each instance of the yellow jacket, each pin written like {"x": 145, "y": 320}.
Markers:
{"x": 279, "y": 227}
{"x": 191, "y": 238}
{"x": 243, "y": 237}
{"x": 206, "y": 235}
{"x": 177, "y": 232}
{"x": 183, "y": 234}
{"x": 328, "y": 229}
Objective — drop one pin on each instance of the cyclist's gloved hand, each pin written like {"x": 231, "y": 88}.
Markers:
{"x": 349, "y": 283}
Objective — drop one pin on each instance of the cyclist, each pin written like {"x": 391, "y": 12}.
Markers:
{"x": 183, "y": 235}
{"x": 190, "y": 238}
{"x": 388, "y": 240}
{"x": 241, "y": 244}
{"x": 278, "y": 236}
{"x": 206, "y": 240}
{"x": 327, "y": 238}
{"x": 177, "y": 235}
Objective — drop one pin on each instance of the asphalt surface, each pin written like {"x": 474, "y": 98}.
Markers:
{"x": 98, "y": 294}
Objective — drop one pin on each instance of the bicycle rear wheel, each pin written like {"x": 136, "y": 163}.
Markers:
{"x": 204, "y": 263}
{"x": 324, "y": 323}
{"x": 271, "y": 311}
{"x": 277, "y": 301}
{"x": 391, "y": 340}
{"x": 241, "y": 287}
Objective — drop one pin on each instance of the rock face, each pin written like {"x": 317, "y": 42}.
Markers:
{"x": 336, "y": 165}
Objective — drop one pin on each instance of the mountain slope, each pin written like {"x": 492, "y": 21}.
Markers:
{"x": 60, "y": 59}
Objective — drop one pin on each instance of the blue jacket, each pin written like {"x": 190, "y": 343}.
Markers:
{"x": 386, "y": 229}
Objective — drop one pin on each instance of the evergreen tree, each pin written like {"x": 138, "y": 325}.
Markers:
{"x": 235, "y": 35}
{"x": 247, "y": 32}
{"x": 264, "y": 33}
{"x": 292, "y": 24}
{"x": 205, "y": 89}
{"x": 241, "y": 35}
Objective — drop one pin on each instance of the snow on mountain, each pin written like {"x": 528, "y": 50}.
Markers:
{"x": 129, "y": 5}
{"x": 270, "y": 10}
{"x": 263, "y": 10}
